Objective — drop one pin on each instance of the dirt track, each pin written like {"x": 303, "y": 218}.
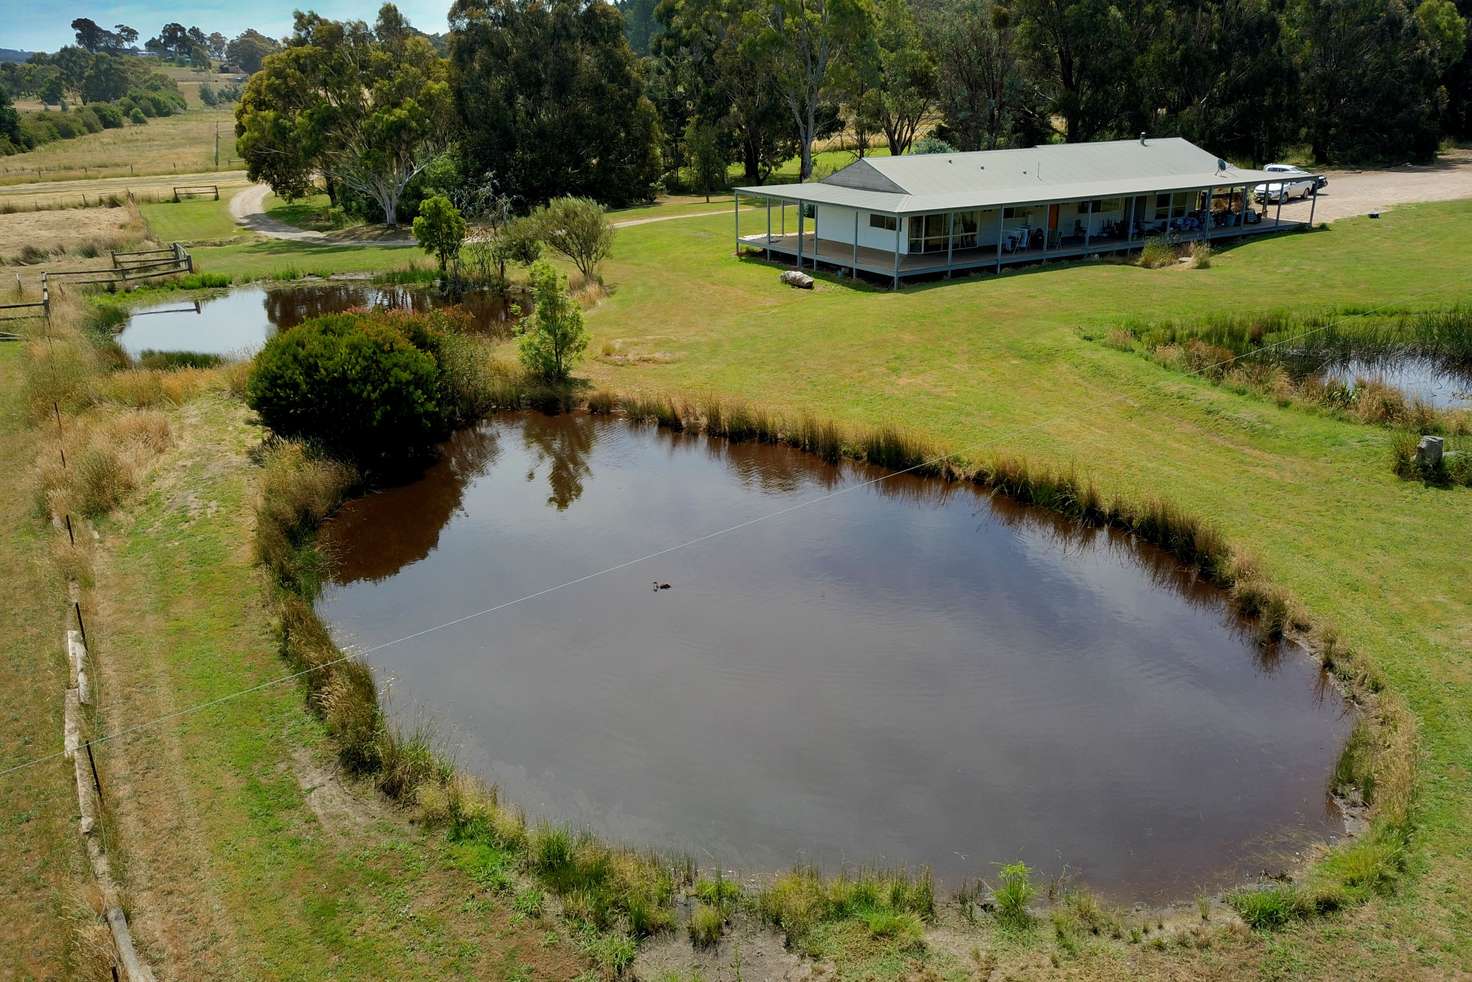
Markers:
{"x": 1358, "y": 192}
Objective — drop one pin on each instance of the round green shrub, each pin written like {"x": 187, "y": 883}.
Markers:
{"x": 354, "y": 384}
{"x": 108, "y": 115}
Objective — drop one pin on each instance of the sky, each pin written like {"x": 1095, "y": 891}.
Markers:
{"x": 36, "y": 26}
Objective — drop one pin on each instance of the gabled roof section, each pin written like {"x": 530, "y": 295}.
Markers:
{"x": 862, "y": 175}
{"x": 1037, "y": 168}
{"x": 918, "y": 183}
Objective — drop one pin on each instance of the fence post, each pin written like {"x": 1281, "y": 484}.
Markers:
{"x": 96, "y": 781}
{"x": 81, "y": 626}
{"x": 60, "y": 434}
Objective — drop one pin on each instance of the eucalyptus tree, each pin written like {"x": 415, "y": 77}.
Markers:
{"x": 906, "y": 89}
{"x": 370, "y": 106}
{"x": 714, "y": 74}
{"x": 1220, "y": 73}
{"x": 803, "y": 40}
{"x": 551, "y": 99}
{"x": 1079, "y": 53}
{"x": 1371, "y": 72}
{"x": 985, "y": 100}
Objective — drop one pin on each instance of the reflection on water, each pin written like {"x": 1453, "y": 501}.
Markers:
{"x": 237, "y": 323}
{"x": 433, "y": 501}
{"x": 1428, "y": 380}
{"x": 907, "y": 673}
{"x": 561, "y": 442}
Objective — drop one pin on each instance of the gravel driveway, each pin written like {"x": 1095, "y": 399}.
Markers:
{"x": 1358, "y": 192}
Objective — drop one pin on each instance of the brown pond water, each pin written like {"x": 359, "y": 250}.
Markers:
{"x": 907, "y": 673}
{"x": 237, "y": 323}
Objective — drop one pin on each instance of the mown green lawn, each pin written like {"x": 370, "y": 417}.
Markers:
{"x": 986, "y": 365}
{"x": 193, "y": 219}
{"x": 262, "y": 257}
{"x": 312, "y": 212}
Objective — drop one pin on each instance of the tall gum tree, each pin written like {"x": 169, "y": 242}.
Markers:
{"x": 803, "y": 39}
{"x": 369, "y": 106}
{"x": 551, "y": 100}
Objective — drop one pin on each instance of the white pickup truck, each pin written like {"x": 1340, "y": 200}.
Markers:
{"x": 1295, "y": 183}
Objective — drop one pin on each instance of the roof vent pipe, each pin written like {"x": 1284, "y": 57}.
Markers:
{"x": 1142, "y": 138}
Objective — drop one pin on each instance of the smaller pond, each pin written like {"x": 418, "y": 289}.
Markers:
{"x": 1429, "y": 380}
{"x": 906, "y": 672}
{"x": 238, "y": 323}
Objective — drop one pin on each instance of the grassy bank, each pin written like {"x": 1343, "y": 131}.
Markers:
{"x": 243, "y": 849}
{"x": 47, "y": 877}
{"x": 1282, "y": 355}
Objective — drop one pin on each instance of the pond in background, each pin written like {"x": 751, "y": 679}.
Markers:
{"x": 1436, "y": 383}
{"x": 237, "y": 323}
{"x": 907, "y": 672}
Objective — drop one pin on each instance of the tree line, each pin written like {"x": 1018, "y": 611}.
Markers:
{"x": 180, "y": 44}
{"x": 1350, "y": 80}
{"x": 92, "y": 92}
{"x": 550, "y": 98}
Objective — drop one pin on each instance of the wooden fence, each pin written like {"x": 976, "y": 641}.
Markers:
{"x": 127, "y": 268}
{"x": 197, "y": 192}
{"x": 18, "y": 311}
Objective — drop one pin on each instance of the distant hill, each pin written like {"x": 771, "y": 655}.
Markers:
{"x": 14, "y": 54}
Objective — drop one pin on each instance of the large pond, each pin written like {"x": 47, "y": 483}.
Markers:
{"x": 238, "y": 323}
{"x": 901, "y": 672}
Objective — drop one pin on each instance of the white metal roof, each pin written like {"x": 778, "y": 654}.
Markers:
{"x": 989, "y": 178}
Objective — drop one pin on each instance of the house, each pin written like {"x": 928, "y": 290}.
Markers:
{"x": 928, "y": 214}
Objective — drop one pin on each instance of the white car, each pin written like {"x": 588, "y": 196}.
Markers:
{"x": 1295, "y": 183}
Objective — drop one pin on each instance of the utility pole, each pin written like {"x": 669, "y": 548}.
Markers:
{"x": 217, "y": 144}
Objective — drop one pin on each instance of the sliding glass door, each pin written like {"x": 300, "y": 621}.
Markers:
{"x": 931, "y": 233}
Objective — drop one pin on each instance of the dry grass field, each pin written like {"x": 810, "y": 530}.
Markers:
{"x": 190, "y": 81}
{"x": 173, "y": 145}
{"x": 23, "y": 234}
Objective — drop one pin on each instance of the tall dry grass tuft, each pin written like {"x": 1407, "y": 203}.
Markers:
{"x": 1157, "y": 253}
{"x": 349, "y": 702}
{"x": 146, "y": 430}
{"x": 1185, "y": 536}
{"x": 89, "y": 947}
{"x": 898, "y": 450}
{"x": 59, "y": 375}
{"x": 822, "y": 439}
{"x": 100, "y": 478}
{"x": 1059, "y": 491}
{"x": 296, "y": 492}
{"x": 147, "y": 387}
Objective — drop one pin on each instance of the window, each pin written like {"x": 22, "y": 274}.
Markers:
{"x": 887, "y": 222}
{"x": 1166, "y": 203}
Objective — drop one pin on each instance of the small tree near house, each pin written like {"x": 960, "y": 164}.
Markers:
{"x": 553, "y": 338}
{"x": 577, "y": 228}
{"x": 707, "y": 161}
{"x": 439, "y": 229}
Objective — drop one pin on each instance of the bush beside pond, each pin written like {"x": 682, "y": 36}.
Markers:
{"x": 375, "y": 388}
